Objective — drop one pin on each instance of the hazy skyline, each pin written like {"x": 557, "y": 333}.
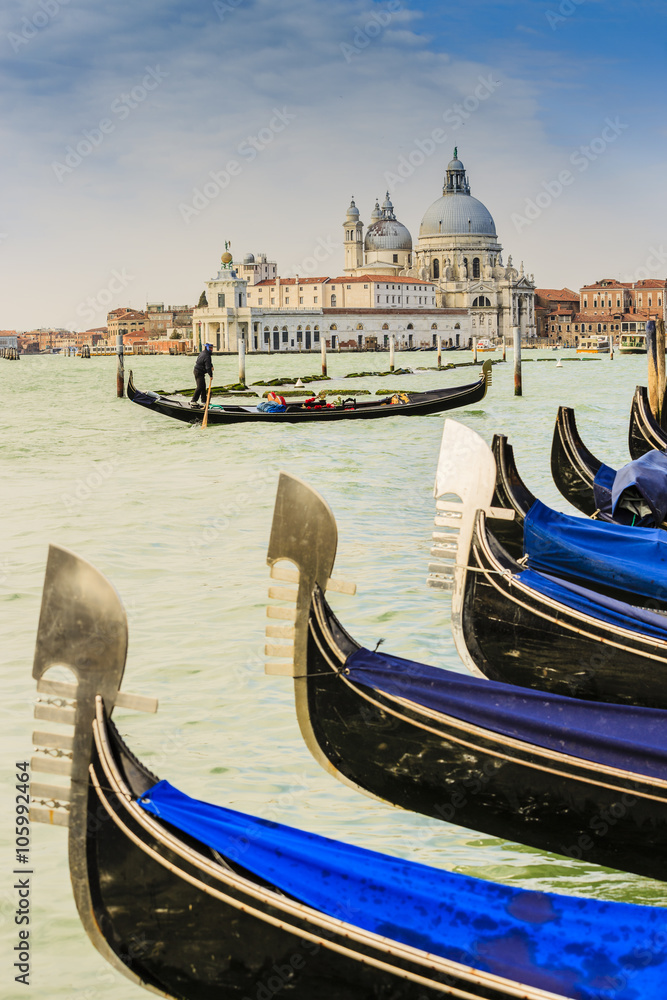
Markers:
{"x": 139, "y": 138}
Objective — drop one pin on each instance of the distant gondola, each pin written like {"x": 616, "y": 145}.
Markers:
{"x": 418, "y": 404}
{"x": 526, "y": 766}
{"x": 198, "y": 902}
{"x": 570, "y": 621}
{"x": 645, "y": 433}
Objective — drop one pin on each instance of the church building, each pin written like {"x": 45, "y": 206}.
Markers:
{"x": 452, "y": 285}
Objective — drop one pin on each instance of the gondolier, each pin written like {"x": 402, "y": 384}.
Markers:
{"x": 203, "y": 367}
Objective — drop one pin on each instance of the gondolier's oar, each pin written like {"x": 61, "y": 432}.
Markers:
{"x": 204, "y": 422}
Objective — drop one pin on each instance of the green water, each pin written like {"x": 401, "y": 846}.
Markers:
{"x": 178, "y": 519}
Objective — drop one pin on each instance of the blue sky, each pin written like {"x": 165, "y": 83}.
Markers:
{"x": 139, "y": 137}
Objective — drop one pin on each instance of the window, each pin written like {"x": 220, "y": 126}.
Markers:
{"x": 475, "y": 267}
{"x": 436, "y": 268}
{"x": 365, "y": 286}
{"x": 285, "y": 335}
{"x": 410, "y": 326}
{"x": 395, "y": 258}
{"x": 273, "y": 301}
{"x": 434, "y": 326}
{"x": 266, "y": 336}
{"x": 240, "y": 299}
{"x": 286, "y": 301}
{"x": 360, "y": 326}
{"x": 316, "y": 334}
{"x": 314, "y": 298}
{"x": 348, "y": 287}
{"x": 260, "y": 302}
{"x": 333, "y": 301}
{"x": 221, "y": 300}
{"x": 301, "y": 300}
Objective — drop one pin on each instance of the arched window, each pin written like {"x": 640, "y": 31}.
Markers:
{"x": 457, "y": 326}
{"x": 285, "y": 335}
{"x": 436, "y": 268}
{"x": 410, "y": 326}
{"x": 481, "y": 302}
{"x": 434, "y": 326}
{"x": 475, "y": 267}
{"x": 333, "y": 327}
{"x": 360, "y": 326}
{"x": 333, "y": 301}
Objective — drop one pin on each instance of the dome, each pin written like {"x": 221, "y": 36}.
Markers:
{"x": 249, "y": 258}
{"x": 353, "y": 210}
{"x": 457, "y": 215}
{"x": 455, "y": 164}
{"x": 376, "y": 213}
{"x": 387, "y": 234}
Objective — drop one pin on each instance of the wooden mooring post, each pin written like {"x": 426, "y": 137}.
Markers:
{"x": 120, "y": 373}
{"x": 391, "y": 352}
{"x": 242, "y": 361}
{"x": 439, "y": 352}
{"x": 517, "y": 361}
{"x": 323, "y": 344}
{"x": 474, "y": 350}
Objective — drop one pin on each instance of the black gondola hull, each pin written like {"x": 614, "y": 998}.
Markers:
{"x": 573, "y": 467}
{"x": 475, "y": 778}
{"x": 645, "y": 433}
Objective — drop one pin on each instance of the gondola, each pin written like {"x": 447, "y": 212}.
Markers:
{"x": 569, "y": 617}
{"x": 591, "y": 486}
{"x": 418, "y": 404}
{"x": 198, "y": 902}
{"x": 645, "y": 433}
{"x": 527, "y": 766}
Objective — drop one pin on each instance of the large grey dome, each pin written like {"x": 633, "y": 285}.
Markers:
{"x": 457, "y": 215}
{"x": 387, "y": 234}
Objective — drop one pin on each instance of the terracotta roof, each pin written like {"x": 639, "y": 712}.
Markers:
{"x": 651, "y": 283}
{"x": 608, "y": 282}
{"x": 557, "y": 293}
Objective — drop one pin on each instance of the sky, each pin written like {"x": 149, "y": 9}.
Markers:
{"x": 139, "y": 137}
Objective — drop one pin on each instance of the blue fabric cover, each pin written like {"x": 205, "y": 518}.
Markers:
{"x": 269, "y": 407}
{"x": 143, "y": 399}
{"x": 580, "y": 948}
{"x": 623, "y": 736}
{"x": 648, "y": 475}
{"x": 610, "y": 554}
{"x": 602, "y": 487}
{"x": 606, "y": 609}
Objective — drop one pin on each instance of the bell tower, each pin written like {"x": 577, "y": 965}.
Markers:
{"x": 353, "y": 239}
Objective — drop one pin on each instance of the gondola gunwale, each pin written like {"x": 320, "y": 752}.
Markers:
{"x": 481, "y": 537}
{"x": 416, "y": 713}
{"x": 571, "y": 458}
{"x": 454, "y": 397}
{"x": 277, "y": 901}
{"x": 644, "y": 432}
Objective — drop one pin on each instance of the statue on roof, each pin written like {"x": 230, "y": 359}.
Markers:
{"x": 456, "y": 152}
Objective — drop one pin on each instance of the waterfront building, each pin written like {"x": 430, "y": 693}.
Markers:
{"x": 607, "y": 307}
{"x": 126, "y": 320}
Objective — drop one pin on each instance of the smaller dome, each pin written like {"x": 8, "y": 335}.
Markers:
{"x": 387, "y": 234}
{"x": 455, "y": 165}
{"x": 353, "y": 211}
{"x": 249, "y": 258}
{"x": 376, "y": 213}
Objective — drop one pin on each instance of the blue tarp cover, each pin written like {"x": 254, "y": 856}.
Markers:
{"x": 648, "y": 476}
{"x": 605, "y": 609}
{"x": 610, "y": 554}
{"x": 623, "y": 736}
{"x": 602, "y": 487}
{"x": 580, "y": 948}
{"x": 143, "y": 399}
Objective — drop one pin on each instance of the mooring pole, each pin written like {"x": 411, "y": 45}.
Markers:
{"x": 242, "y": 361}
{"x": 474, "y": 350}
{"x": 323, "y": 345}
{"x": 660, "y": 350}
{"x": 504, "y": 348}
{"x": 439, "y": 352}
{"x": 517, "y": 361}
{"x": 120, "y": 374}
{"x": 653, "y": 371}
{"x": 391, "y": 352}
{"x": 611, "y": 346}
